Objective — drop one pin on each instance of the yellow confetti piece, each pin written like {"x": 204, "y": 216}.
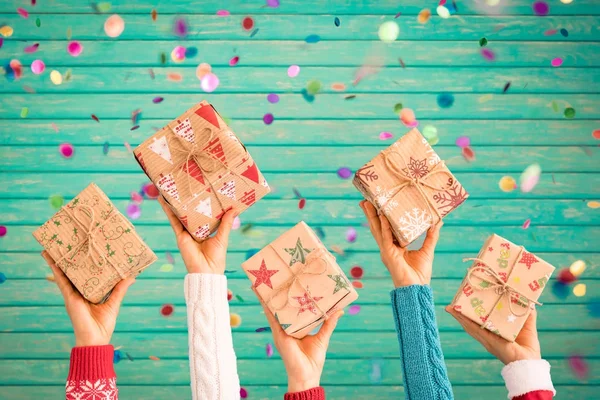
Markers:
{"x": 235, "y": 320}
{"x": 69, "y": 33}
{"x": 56, "y": 77}
{"x": 577, "y": 267}
{"x": 50, "y": 278}
{"x": 507, "y": 184}
{"x": 485, "y": 98}
{"x": 166, "y": 267}
{"x": 593, "y": 204}
{"x": 24, "y": 112}
{"x": 579, "y": 289}
{"x": 6, "y": 31}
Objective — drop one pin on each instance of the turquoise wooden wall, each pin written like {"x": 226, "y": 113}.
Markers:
{"x": 303, "y": 149}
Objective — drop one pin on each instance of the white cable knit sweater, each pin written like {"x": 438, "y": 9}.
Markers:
{"x": 213, "y": 370}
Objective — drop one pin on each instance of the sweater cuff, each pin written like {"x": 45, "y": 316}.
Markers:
{"x": 91, "y": 363}
{"x": 526, "y": 376}
{"x": 205, "y": 288}
{"x": 317, "y": 393}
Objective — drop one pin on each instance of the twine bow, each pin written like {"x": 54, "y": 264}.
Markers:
{"x": 90, "y": 233}
{"x": 498, "y": 285}
{"x": 315, "y": 256}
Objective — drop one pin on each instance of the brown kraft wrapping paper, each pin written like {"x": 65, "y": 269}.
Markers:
{"x": 94, "y": 244}
{"x": 299, "y": 280}
{"x": 201, "y": 169}
{"x": 411, "y": 186}
{"x": 503, "y": 284}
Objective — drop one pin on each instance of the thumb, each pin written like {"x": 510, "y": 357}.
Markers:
{"x": 225, "y": 227}
{"x": 118, "y": 293}
{"x": 328, "y": 327}
{"x": 529, "y": 331}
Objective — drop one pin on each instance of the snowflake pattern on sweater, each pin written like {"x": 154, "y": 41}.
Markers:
{"x": 101, "y": 389}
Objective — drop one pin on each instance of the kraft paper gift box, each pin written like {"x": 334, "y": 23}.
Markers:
{"x": 411, "y": 186}
{"x": 500, "y": 288}
{"x": 201, "y": 169}
{"x": 299, "y": 280}
{"x": 94, "y": 244}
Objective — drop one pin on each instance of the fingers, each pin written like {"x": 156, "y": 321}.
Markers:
{"x": 118, "y": 293}
{"x": 63, "y": 283}
{"x": 173, "y": 220}
{"x": 324, "y": 334}
{"x": 469, "y": 326}
{"x": 387, "y": 237}
{"x": 277, "y": 330}
{"x": 433, "y": 235}
{"x": 225, "y": 227}
{"x": 372, "y": 219}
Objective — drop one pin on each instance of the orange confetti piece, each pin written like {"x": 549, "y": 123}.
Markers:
{"x": 338, "y": 87}
{"x": 338, "y": 250}
{"x": 357, "y": 284}
{"x": 154, "y": 358}
{"x": 174, "y": 77}
{"x": 154, "y": 15}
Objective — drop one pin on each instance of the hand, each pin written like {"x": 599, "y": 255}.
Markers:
{"x": 207, "y": 257}
{"x": 407, "y": 267}
{"x": 93, "y": 323}
{"x": 303, "y": 358}
{"x": 525, "y": 347}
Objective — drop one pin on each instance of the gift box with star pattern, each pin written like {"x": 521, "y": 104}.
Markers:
{"x": 501, "y": 287}
{"x": 201, "y": 169}
{"x": 299, "y": 280}
{"x": 411, "y": 186}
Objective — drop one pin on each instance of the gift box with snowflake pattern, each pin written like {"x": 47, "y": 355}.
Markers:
{"x": 501, "y": 287}
{"x": 411, "y": 186}
{"x": 202, "y": 169}
{"x": 299, "y": 280}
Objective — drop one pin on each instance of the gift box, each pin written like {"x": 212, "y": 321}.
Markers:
{"x": 411, "y": 186}
{"x": 503, "y": 284}
{"x": 201, "y": 169}
{"x": 299, "y": 280}
{"x": 94, "y": 244}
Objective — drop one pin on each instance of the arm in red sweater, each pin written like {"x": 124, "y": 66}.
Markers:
{"x": 317, "y": 393}
{"x": 536, "y": 395}
{"x": 91, "y": 374}
{"x": 528, "y": 380}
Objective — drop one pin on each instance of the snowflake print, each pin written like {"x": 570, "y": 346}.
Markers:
{"x": 414, "y": 223}
{"x": 101, "y": 389}
{"x": 416, "y": 168}
{"x": 384, "y": 201}
{"x": 433, "y": 157}
{"x": 450, "y": 198}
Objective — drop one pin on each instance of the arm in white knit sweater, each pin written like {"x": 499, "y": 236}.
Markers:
{"x": 213, "y": 370}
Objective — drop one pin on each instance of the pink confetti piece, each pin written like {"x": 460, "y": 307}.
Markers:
{"x": 74, "y": 48}
{"x": 127, "y": 146}
{"x": 66, "y": 150}
{"x": 243, "y": 393}
{"x": 269, "y": 350}
{"x": 3, "y": 230}
{"x": 55, "y": 127}
{"x": 351, "y": 235}
{"x": 385, "y": 136}
{"x": 579, "y": 366}
{"x": 23, "y": 12}
{"x": 353, "y": 310}
{"x": 488, "y": 54}
{"x": 550, "y": 32}
{"x": 463, "y": 141}
{"x": 556, "y": 62}
{"x": 234, "y": 61}
{"x": 526, "y": 223}
{"x": 31, "y": 49}
{"x": 136, "y": 197}
{"x": 133, "y": 211}
{"x": 223, "y": 13}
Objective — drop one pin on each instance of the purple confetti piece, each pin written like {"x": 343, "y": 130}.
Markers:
{"x": 385, "y": 135}
{"x": 268, "y": 119}
{"x": 297, "y": 193}
{"x": 463, "y": 141}
{"x": 353, "y": 310}
{"x": 541, "y": 8}
{"x": 344, "y": 172}
{"x": 134, "y": 211}
{"x": 273, "y": 98}
{"x": 269, "y": 350}
{"x": 273, "y": 3}
{"x": 157, "y": 100}
{"x": 351, "y": 235}
{"x": 180, "y": 27}
{"x": 488, "y": 54}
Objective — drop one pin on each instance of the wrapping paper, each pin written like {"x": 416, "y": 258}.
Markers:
{"x": 479, "y": 300}
{"x": 201, "y": 169}
{"x": 94, "y": 263}
{"x": 299, "y": 280}
{"x": 411, "y": 186}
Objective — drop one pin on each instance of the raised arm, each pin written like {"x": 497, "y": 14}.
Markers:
{"x": 423, "y": 367}
{"x": 213, "y": 370}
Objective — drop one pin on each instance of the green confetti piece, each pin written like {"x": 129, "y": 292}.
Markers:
{"x": 68, "y": 75}
{"x": 237, "y": 296}
{"x": 103, "y": 7}
{"x": 56, "y": 201}
{"x": 38, "y": 23}
{"x": 24, "y": 112}
{"x": 570, "y": 113}
{"x": 397, "y": 107}
{"x": 483, "y": 42}
{"x": 313, "y": 87}
{"x": 163, "y": 58}
{"x": 554, "y": 106}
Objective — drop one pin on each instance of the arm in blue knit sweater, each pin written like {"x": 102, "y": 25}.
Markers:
{"x": 423, "y": 367}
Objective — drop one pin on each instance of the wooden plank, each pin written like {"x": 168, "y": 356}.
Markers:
{"x": 337, "y": 372}
{"x": 20, "y": 265}
{"x": 327, "y": 53}
{"x": 310, "y": 158}
{"x": 372, "y": 318}
{"x": 345, "y": 213}
{"x": 455, "y": 238}
{"x": 481, "y": 185}
{"x": 156, "y": 292}
{"x": 260, "y": 79}
{"x": 297, "y": 27}
{"x": 251, "y": 345}
{"x": 308, "y": 132}
{"x": 408, "y": 7}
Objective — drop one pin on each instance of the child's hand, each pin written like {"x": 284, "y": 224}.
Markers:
{"x": 407, "y": 267}
{"x": 207, "y": 257}
{"x": 525, "y": 347}
{"x": 93, "y": 323}
{"x": 303, "y": 358}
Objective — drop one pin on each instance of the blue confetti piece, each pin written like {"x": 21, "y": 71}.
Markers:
{"x": 312, "y": 39}
{"x": 254, "y": 32}
{"x": 2, "y": 278}
{"x": 320, "y": 232}
{"x": 251, "y": 252}
{"x": 336, "y": 21}
{"x": 445, "y": 100}
{"x": 117, "y": 356}
{"x": 560, "y": 290}
{"x": 230, "y": 271}
{"x": 564, "y": 32}
{"x": 263, "y": 329}
{"x": 105, "y": 148}
{"x": 594, "y": 308}
{"x": 308, "y": 97}
{"x": 375, "y": 374}
{"x": 191, "y": 52}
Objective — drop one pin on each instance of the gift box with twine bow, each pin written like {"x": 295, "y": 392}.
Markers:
{"x": 94, "y": 244}
{"x": 501, "y": 287}
{"x": 299, "y": 280}
{"x": 411, "y": 186}
{"x": 201, "y": 169}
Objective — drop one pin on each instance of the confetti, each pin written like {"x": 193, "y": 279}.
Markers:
{"x": 507, "y": 184}
{"x": 578, "y": 366}
{"x": 229, "y": 295}
{"x": 167, "y": 310}
{"x": 354, "y": 309}
{"x": 174, "y": 77}
{"x": 247, "y": 23}
{"x": 235, "y": 320}
{"x": 344, "y": 172}
{"x": 246, "y": 228}
{"x": 2, "y": 278}
{"x": 254, "y": 32}
{"x": 55, "y": 127}
{"x": 350, "y": 97}
{"x": 222, "y": 13}
{"x": 424, "y": 16}
{"x": 593, "y": 204}
{"x": 401, "y": 63}
{"x": 320, "y": 232}
{"x": 566, "y": 1}
{"x": 23, "y": 12}
{"x": 56, "y": 77}
{"x": 312, "y": 39}
{"x": 293, "y": 71}
{"x": 565, "y": 276}
{"x": 102, "y": 7}
{"x": 375, "y": 375}
{"x": 430, "y": 133}
{"x": 163, "y": 58}
{"x": 445, "y": 100}
{"x": 133, "y": 211}
{"x": 550, "y": 32}
{"x": 178, "y": 54}
{"x": 468, "y": 154}
{"x": 272, "y": 98}
{"x": 38, "y": 22}
{"x": 32, "y": 49}
{"x": 117, "y": 356}
{"x": 154, "y": 358}
{"x": 577, "y": 267}
{"x": 313, "y": 87}
{"x": 564, "y": 32}
{"x": 488, "y": 54}
{"x": 301, "y": 203}
{"x": 114, "y": 26}
{"x": 169, "y": 257}
{"x": 397, "y": 107}
{"x": 506, "y": 87}
{"x": 541, "y": 8}
{"x": 569, "y": 113}
{"x": 154, "y": 15}
{"x": 239, "y": 298}
{"x": 202, "y": 70}
{"x": 463, "y": 141}
{"x": 351, "y": 235}
{"x": 556, "y": 62}
{"x": 579, "y": 290}
{"x": 357, "y": 284}
{"x": 24, "y": 112}
{"x": 243, "y": 393}
{"x": 385, "y": 136}
{"x": 191, "y": 52}
{"x": 209, "y": 82}
{"x": 180, "y": 28}
{"x": 388, "y": 31}
{"x": 28, "y": 89}
{"x": 526, "y": 223}
{"x": 6, "y": 31}
{"x": 336, "y": 21}
{"x": 56, "y": 201}
{"x": 356, "y": 272}
{"x": 234, "y": 61}
{"x": 157, "y": 100}
{"x": 338, "y": 87}
{"x": 273, "y": 3}
{"x": 407, "y": 116}
{"x": 338, "y": 250}
{"x": 136, "y": 197}
{"x": 269, "y": 350}
{"x": 483, "y": 42}
{"x": 268, "y": 119}
{"x": 530, "y": 177}
{"x": 443, "y": 12}
{"x": 74, "y": 48}
{"x": 3, "y": 230}
{"x": 95, "y": 118}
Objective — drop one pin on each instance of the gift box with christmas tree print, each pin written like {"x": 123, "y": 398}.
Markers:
{"x": 299, "y": 280}
{"x": 94, "y": 244}
{"x": 411, "y": 186}
{"x": 501, "y": 287}
{"x": 202, "y": 169}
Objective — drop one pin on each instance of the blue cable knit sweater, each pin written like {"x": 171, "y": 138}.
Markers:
{"x": 425, "y": 375}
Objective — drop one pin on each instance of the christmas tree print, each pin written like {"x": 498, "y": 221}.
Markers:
{"x": 208, "y": 113}
{"x": 204, "y": 207}
{"x": 367, "y": 174}
{"x": 202, "y": 232}
{"x": 263, "y": 275}
{"x": 215, "y": 149}
{"x": 192, "y": 169}
{"x": 528, "y": 259}
{"x": 307, "y": 303}
{"x": 416, "y": 168}
{"x": 166, "y": 184}
{"x": 251, "y": 173}
{"x": 228, "y": 189}
{"x": 184, "y": 130}
{"x": 450, "y": 198}
{"x": 249, "y": 197}
{"x": 414, "y": 223}
{"x": 161, "y": 147}
{"x": 298, "y": 253}
{"x": 283, "y": 326}
{"x": 340, "y": 282}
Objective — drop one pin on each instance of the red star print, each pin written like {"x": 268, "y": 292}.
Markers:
{"x": 490, "y": 248}
{"x": 306, "y": 303}
{"x": 528, "y": 259}
{"x": 263, "y": 275}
